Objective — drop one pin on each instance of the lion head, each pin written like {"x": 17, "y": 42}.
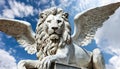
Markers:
{"x": 52, "y": 31}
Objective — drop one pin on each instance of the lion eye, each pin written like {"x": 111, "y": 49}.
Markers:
{"x": 58, "y": 21}
{"x": 49, "y": 21}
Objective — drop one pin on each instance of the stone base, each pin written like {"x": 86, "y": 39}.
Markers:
{"x": 62, "y": 66}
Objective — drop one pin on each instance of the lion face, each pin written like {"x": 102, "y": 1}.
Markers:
{"x": 52, "y": 31}
{"x": 54, "y": 27}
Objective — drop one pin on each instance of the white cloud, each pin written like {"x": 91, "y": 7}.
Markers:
{"x": 65, "y": 3}
{"x": 52, "y": 3}
{"x": 87, "y": 4}
{"x": 2, "y": 44}
{"x": 8, "y": 13}
{"x": 114, "y": 62}
{"x": 17, "y": 9}
{"x": 2, "y": 2}
{"x": 7, "y": 61}
{"x": 104, "y": 2}
{"x": 108, "y": 39}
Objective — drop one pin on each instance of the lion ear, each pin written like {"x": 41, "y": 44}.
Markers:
{"x": 41, "y": 15}
{"x": 65, "y": 15}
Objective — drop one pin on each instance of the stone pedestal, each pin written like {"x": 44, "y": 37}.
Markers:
{"x": 62, "y": 66}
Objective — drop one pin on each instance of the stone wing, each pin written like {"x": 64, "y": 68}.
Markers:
{"x": 88, "y": 22}
{"x": 21, "y": 31}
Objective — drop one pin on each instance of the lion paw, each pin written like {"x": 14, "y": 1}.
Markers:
{"x": 46, "y": 62}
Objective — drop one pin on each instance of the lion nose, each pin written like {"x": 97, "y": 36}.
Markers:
{"x": 54, "y": 28}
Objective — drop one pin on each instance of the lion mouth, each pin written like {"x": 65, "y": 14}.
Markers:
{"x": 54, "y": 38}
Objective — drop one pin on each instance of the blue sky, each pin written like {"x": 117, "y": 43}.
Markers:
{"x": 107, "y": 38}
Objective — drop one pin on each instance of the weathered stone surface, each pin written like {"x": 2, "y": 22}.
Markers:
{"x": 62, "y": 66}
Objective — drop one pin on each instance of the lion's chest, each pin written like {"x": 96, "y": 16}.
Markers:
{"x": 49, "y": 49}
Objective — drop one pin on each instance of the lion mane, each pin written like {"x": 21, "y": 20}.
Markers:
{"x": 44, "y": 46}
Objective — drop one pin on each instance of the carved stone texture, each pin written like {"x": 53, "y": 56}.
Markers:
{"x": 62, "y": 66}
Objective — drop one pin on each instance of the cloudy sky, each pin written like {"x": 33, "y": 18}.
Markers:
{"x": 107, "y": 38}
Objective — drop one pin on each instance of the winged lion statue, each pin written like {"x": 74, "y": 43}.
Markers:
{"x": 53, "y": 41}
